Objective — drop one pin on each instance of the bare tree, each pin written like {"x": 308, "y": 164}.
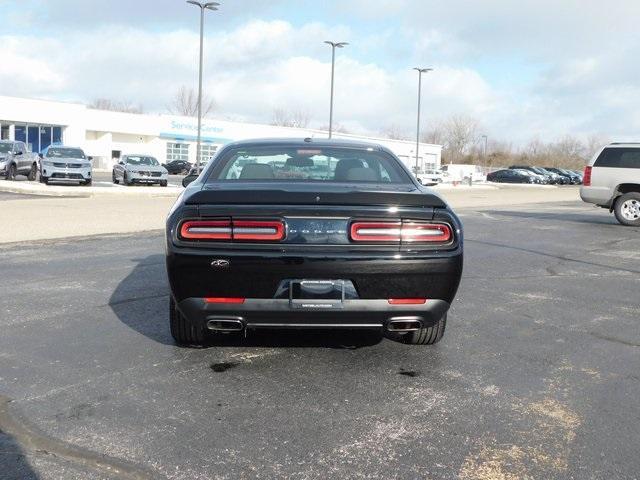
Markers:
{"x": 285, "y": 118}
{"x": 336, "y": 128}
{"x": 434, "y": 135}
{"x": 185, "y": 102}
{"x": 394, "y": 132}
{"x": 594, "y": 143}
{"x": 460, "y": 135}
{"x": 115, "y": 105}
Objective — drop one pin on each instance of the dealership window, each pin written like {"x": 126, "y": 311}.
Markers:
{"x": 206, "y": 152}
{"x": 177, "y": 151}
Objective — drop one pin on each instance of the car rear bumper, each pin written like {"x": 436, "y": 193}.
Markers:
{"x": 596, "y": 195}
{"x": 280, "y": 314}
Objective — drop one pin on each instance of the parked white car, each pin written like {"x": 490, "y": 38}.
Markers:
{"x": 430, "y": 177}
{"x": 612, "y": 180}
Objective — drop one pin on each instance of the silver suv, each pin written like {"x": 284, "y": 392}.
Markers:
{"x": 612, "y": 180}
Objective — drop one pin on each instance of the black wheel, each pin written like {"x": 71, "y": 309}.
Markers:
{"x": 627, "y": 209}
{"x": 125, "y": 179}
{"x": 183, "y": 331}
{"x": 11, "y": 173}
{"x": 113, "y": 178}
{"x": 33, "y": 173}
{"x": 87, "y": 183}
{"x": 44, "y": 180}
{"x": 163, "y": 183}
{"x": 424, "y": 336}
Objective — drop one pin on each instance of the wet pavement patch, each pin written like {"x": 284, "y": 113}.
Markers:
{"x": 223, "y": 366}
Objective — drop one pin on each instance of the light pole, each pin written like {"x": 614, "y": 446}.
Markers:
{"x": 334, "y": 45}
{"x": 484, "y": 152}
{"x": 420, "y": 72}
{"x": 203, "y": 6}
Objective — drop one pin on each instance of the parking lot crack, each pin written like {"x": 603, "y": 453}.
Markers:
{"x": 32, "y": 441}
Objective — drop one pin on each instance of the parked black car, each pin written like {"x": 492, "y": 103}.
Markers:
{"x": 296, "y": 234}
{"x": 510, "y": 176}
{"x": 176, "y": 167}
{"x": 552, "y": 178}
{"x": 572, "y": 177}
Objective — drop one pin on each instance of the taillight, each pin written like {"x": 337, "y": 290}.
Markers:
{"x": 407, "y": 301}
{"x": 586, "y": 178}
{"x": 233, "y": 230}
{"x": 426, "y": 232}
{"x": 206, "y": 230}
{"x": 228, "y": 300}
{"x": 258, "y": 230}
{"x": 395, "y": 232}
{"x": 376, "y": 231}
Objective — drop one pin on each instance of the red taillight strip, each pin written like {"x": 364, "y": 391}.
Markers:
{"x": 407, "y": 301}
{"x": 236, "y": 300}
{"x": 206, "y": 230}
{"x": 426, "y": 232}
{"x": 586, "y": 178}
{"x": 396, "y": 232}
{"x": 375, "y": 231}
{"x": 241, "y": 230}
{"x": 258, "y": 230}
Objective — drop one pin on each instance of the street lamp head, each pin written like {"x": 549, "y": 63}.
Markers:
{"x": 193, "y": 2}
{"x": 336, "y": 44}
{"x": 212, "y": 5}
{"x": 423, "y": 70}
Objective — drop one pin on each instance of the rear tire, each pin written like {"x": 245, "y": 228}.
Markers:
{"x": 164, "y": 183}
{"x": 183, "y": 331}
{"x": 114, "y": 179}
{"x": 44, "y": 180}
{"x": 87, "y": 183}
{"x": 627, "y": 209}
{"x": 426, "y": 335}
{"x": 33, "y": 173}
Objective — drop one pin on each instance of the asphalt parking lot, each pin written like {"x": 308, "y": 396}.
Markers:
{"x": 537, "y": 376}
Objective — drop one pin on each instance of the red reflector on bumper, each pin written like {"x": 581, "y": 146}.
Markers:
{"x": 224, "y": 300}
{"x": 407, "y": 301}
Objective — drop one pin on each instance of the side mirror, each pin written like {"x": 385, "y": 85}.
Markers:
{"x": 120, "y": 162}
{"x": 189, "y": 179}
{"x": 90, "y": 158}
{"x": 40, "y": 155}
{"x": 17, "y": 153}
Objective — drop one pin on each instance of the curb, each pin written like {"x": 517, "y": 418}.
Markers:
{"x": 84, "y": 192}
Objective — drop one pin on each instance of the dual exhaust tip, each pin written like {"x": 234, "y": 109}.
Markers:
{"x": 395, "y": 324}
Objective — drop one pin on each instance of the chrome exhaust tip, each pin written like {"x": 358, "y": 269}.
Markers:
{"x": 225, "y": 324}
{"x": 404, "y": 324}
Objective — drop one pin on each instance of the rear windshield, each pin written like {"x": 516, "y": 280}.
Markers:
{"x": 65, "y": 153}
{"x": 619, "y": 158}
{"x": 287, "y": 164}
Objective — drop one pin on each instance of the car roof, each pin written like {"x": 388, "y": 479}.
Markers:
{"x": 624, "y": 144}
{"x": 306, "y": 142}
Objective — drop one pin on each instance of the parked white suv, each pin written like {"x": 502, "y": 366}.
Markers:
{"x": 612, "y": 180}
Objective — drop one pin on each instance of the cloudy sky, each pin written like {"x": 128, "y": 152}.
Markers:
{"x": 524, "y": 69}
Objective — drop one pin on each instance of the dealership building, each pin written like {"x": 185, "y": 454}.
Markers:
{"x": 107, "y": 135}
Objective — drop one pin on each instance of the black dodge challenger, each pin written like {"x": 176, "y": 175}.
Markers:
{"x": 296, "y": 234}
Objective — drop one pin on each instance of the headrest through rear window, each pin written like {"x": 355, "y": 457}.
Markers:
{"x": 362, "y": 174}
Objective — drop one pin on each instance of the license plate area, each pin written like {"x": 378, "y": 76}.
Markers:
{"x": 316, "y": 294}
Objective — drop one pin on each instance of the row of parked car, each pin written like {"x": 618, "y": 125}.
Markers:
{"x": 536, "y": 175}
{"x": 64, "y": 164}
